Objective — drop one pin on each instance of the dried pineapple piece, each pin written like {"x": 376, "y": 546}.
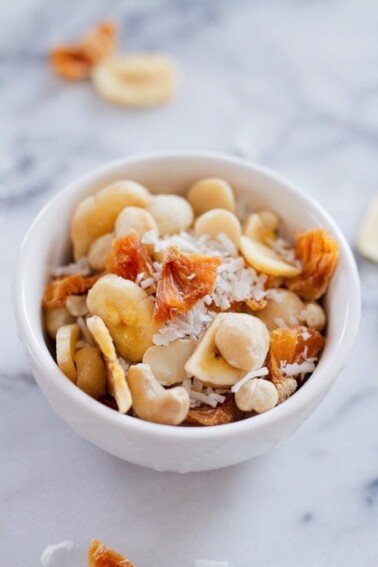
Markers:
{"x": 57, "y": 291}
{"x": 100, "y": 555}
{"x": 74, "y": 62}
{"x": 318, "y": 253}
{"x": 128, "y": 258}
{"x": 206, "y": 416}
{"x": 289, "y": 346}
{"x": 184, "y": 279}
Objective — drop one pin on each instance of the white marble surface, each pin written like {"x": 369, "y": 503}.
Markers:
{"x": 291, "y": 84}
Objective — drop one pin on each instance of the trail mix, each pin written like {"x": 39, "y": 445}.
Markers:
{"x": 183, "y": 311}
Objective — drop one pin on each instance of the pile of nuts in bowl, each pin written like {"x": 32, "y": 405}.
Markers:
{"x": 189, "y": 311}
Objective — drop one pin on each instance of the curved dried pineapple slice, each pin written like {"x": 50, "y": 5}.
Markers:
{"x": 318, "y": 253}
{"x": 74, "y": 62}
{"x": 184, "y": 279}
{"x": 289, "y": 346}
{"x": 57, "y": 291}
{"x": 227, "y": 412}
{"x": 128, "y": 258}
{"x": 100, "y": 555}
{"x": 265, "y": 260}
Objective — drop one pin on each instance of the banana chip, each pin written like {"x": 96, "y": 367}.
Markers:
{"x": 137, "y": 80}
{"x": 117, "y": 381}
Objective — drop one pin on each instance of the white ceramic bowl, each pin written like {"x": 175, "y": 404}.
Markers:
{"x": 161, "y": 447}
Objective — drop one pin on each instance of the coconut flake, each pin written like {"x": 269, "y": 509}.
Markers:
{"x": 79, "y": 268}
{"x": 52, "y": 549}
{"x": 305, "y": 367}
{"x": 147, "y": 283}
{"x": 253, "y": 374}
{"x": 189, "y": 325}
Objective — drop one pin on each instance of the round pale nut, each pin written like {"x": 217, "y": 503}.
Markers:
{"x": 211, "y": 193}
{"x": 265, "y": 260}
{"x": 91, "y": 372}
{"x": 284, "y": 309}
{"x": 56, "y": 318}
{"x": 314, "y": 316}
{"x": 136, "y": 80}
{"x": 77, "y": 305}
{"x": 172, "y": 214}
{"x": 96, "y": 215}
{"x": 98, "y": 251}
{"x": 219, "y": 221}
{"x": 66, "y": 339}
{"x": 135, "y": 218}
{"x": 257, "y": 395}
{"x": 243, "y": 341}
{"x": 167, "y": 363}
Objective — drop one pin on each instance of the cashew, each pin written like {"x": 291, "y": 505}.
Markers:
{"x": 56, "y": 318}
{"x": 135, "y": 218}
{"x": 284, "y": 309}
{"x": 96, "y": 215}
{"x": 77, "y": 305}
{"x": 207, "y": 364}
{"x": 257, "y": 395}
{"x": 211, "y": 193}
{"x": 167, "y": 363}
{"x": 243, "y": 341}
{"x": 116, "y": 375}
{"x": 313, "y": 315}
{"x": 91, "y": 372}
{"x": 265, "y": 260}
{"x": 66, "y": 339}
{"x": 261, "y": 226}
{"x": 136, "y": 80}
{"x": 172, "y": 214}
{"x": 127, "y": 312}
{"x": 152, "y": 402}
{"x": 219, "y": 221}
{"x": 98, "y": 251}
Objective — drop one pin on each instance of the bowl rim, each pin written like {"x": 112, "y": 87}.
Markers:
{"x": 324, "y": 374}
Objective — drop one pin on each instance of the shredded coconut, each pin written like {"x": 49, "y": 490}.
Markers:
{"x": 147, "y": 283}
{"x": 52, "y": 549}
{"x": 236, "y": 282}
{"x": 188, "y": 325}
{"x": 209, "y": 396}
{"x": 285, "y": 250}
{"x": 80, "y": 268}
{"x": 253, "y": 374}
{"x": 280, "y": 322}
{"x": 296, "y": 368}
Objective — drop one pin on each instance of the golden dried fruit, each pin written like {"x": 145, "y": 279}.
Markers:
{"x": 184, "y": 279}
{"x": 57, "y": 291}
{"x": 74, "y": 62}
{"x": 100, "y": 555}
{"x": 256, "y": 305}
{"x": 292, "y": 346}
{"x": 205, "y": 415}
{"x": 128, "y": 258}
{"x": 318, "y": 253}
